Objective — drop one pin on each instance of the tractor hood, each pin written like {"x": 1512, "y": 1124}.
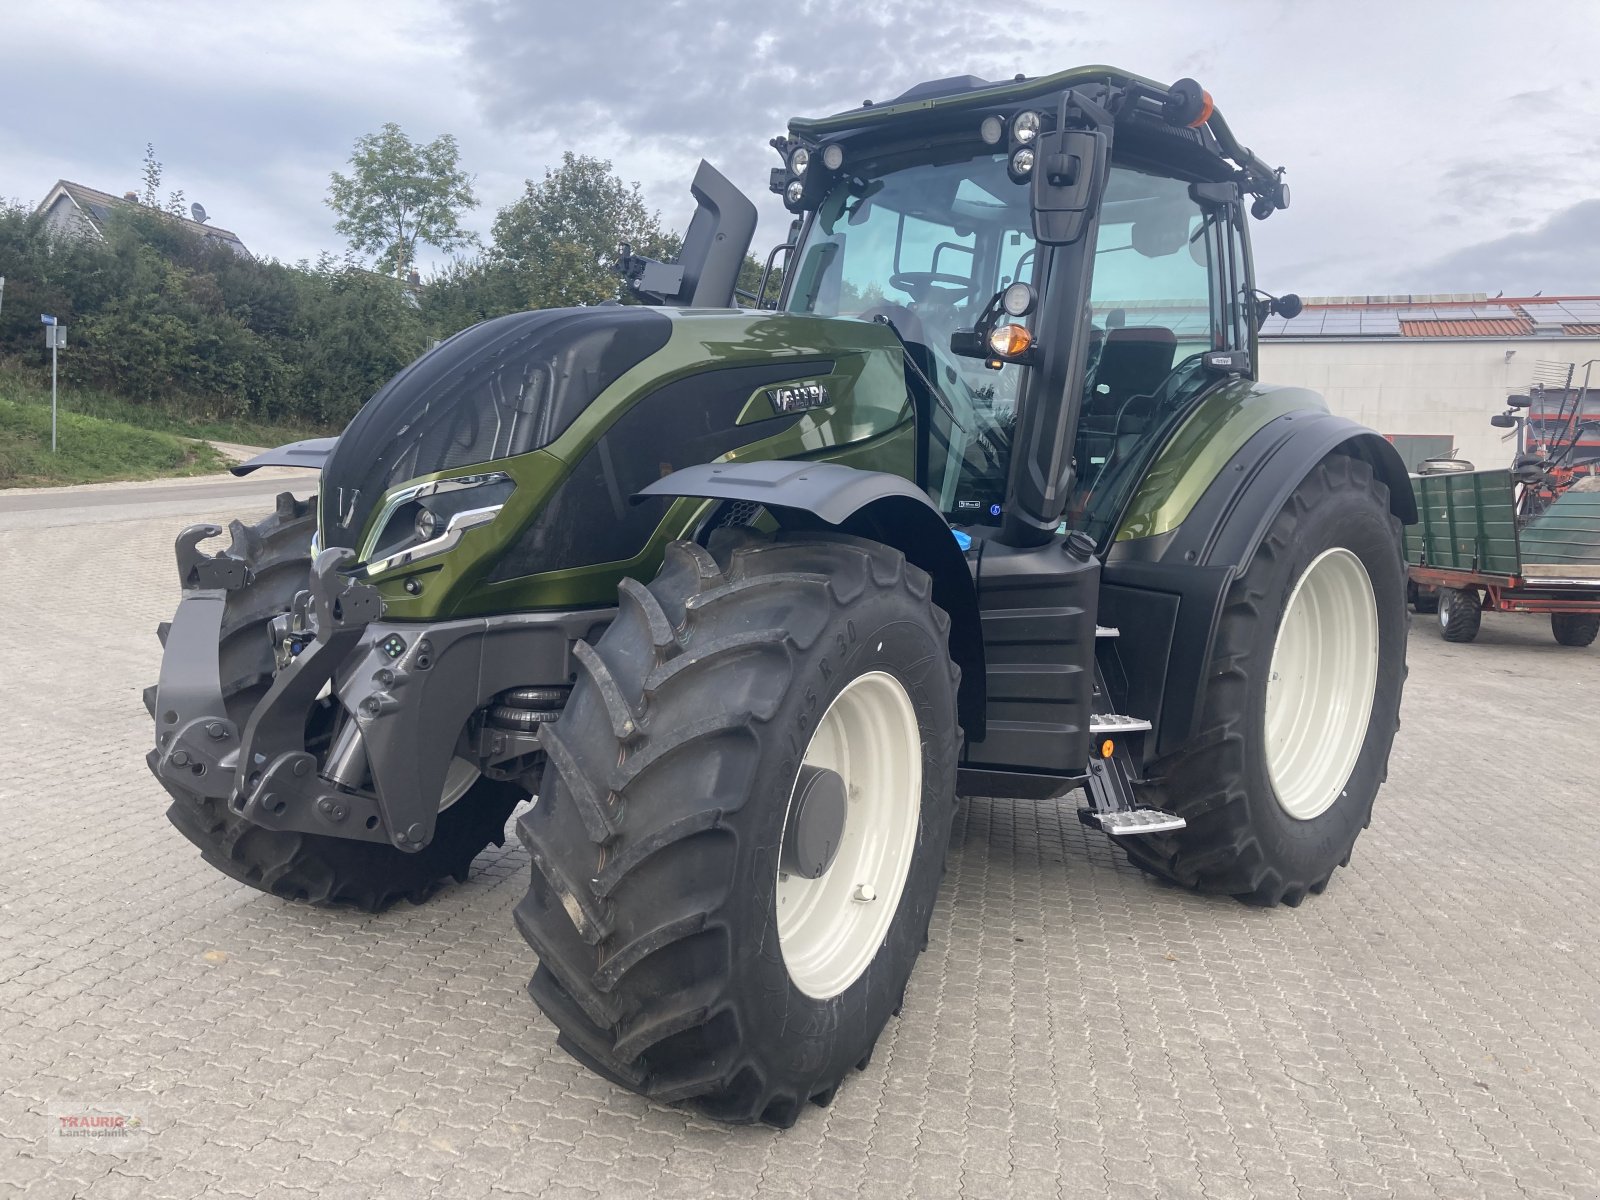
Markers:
{"x": 649, "y": 384}
{"x": 501, "y": 388}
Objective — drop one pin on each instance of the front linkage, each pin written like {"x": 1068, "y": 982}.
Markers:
{"x": 411, "y": 699}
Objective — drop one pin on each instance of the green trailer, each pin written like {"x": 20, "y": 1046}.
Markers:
{"x": 1467, "y": 556}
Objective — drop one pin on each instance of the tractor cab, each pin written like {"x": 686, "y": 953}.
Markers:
{"x": 1063, "y": 257}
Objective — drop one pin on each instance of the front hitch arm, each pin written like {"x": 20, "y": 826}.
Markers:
{"x": 277, "y": 785}
{"x": 197, "y": 570}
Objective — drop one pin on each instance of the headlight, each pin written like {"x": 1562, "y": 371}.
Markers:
{"x": 426, "y": 519}
{"x": 1025, "y": 127}
{"x": 800, "y": 160}
{"x": 1022, "y": 162}
{"x": 795, "y": 192}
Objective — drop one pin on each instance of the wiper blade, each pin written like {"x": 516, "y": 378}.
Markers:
{"x": 916, "y": 367}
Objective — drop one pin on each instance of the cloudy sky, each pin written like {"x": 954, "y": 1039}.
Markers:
{"x": 1432, "y": 147}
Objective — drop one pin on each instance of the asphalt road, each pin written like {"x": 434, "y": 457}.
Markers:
{"x": 1430, "y": 1027}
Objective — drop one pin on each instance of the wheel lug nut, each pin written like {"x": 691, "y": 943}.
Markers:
{"x": 865, "y": 893}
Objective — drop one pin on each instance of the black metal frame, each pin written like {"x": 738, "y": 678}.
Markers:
{"x": 410, "y": 688}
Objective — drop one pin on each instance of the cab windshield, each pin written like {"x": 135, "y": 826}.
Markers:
{"x": 926, "y": 247}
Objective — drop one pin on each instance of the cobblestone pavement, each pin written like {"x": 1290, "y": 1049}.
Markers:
{"x": 1429, "y": 1027}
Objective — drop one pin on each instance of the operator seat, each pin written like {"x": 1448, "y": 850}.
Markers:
{"x": 1134, "y": 360}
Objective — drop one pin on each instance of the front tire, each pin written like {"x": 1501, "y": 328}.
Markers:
{"x": 679, "y": 954}
{"x": 328, "y": 872}
{"x": 1575, "y": 629}
{"x": 1302, "y": 702}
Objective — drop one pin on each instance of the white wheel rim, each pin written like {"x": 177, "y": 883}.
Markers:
{"x": 460, "y": 776}
{"x": 830, "y": 928}
{"x": 1321, "y": 683}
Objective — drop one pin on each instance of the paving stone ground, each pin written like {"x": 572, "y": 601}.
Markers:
{"x": 1430, "y": 1027}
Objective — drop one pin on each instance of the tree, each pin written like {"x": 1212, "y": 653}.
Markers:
{"x": 561, "y": 237}
{"x": 152, "y": 185}
{"x": 399, "y": 193}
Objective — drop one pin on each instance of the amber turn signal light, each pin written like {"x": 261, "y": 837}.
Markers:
{"x": 1008, "y": 341}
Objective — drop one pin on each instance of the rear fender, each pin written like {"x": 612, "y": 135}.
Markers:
{"x": 872, "y": 504}
{"x": 1169, "y": 590}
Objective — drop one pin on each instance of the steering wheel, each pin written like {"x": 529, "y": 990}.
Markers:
{"x": 919, "y": 285}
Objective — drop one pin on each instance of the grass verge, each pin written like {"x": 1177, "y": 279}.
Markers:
{"x": 91, "y": 450}
{"x": 22, "y": 385}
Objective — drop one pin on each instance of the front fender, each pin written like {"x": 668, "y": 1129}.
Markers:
{"x": 872, "y": 504}
{"x": 310, "y": 453}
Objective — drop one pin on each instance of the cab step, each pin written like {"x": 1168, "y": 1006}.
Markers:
{"x": 1135, "y": 821}
{"x": 1116, "y": 723}
{"x": 1107, "y": 631}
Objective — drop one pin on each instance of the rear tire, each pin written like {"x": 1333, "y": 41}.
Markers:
{"x": 1246, "y": 836}
{"x": 1460, "y": 614}
{"x": 1575, "y": 629}
{"x": 1423, "y": 599}
{"x": 656, "y": 841}
{"x": 325, "y": 871}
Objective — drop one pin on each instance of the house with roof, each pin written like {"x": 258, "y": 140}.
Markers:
{"x": 79, "y": 211}
{"x": 1428, "y": 372}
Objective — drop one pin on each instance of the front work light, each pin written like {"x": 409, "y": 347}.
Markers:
{"x": 1018, "y": 300}
{"x": 992, "y": 130}
{"x": 833, "y": 156}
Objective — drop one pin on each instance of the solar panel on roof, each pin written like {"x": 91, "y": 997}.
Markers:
{"x": 1465, "y": 313}
{"x": 1570, "y": 312}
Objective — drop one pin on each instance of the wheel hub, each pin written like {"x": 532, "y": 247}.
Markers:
{"x": 816, "y": 823}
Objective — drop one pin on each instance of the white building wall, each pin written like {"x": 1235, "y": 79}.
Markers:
{"x": 1425, "y": 385}
{"x": 63, "y": 217}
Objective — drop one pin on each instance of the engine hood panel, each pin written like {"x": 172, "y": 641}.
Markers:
{"x": 501, "y": 388}
{"x": 554, "y": 380}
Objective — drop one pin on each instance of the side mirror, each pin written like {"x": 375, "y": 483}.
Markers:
{"x": 1519, "y": 402}
{"x": 1066, "y": 183}
{"x": 1287, "y": 306}
{"x": 1503, "y": 421}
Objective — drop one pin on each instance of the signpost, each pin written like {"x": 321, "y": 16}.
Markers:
{"x": 55, "y": 337}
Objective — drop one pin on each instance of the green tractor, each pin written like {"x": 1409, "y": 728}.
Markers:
{"x": 984, "y": 500}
